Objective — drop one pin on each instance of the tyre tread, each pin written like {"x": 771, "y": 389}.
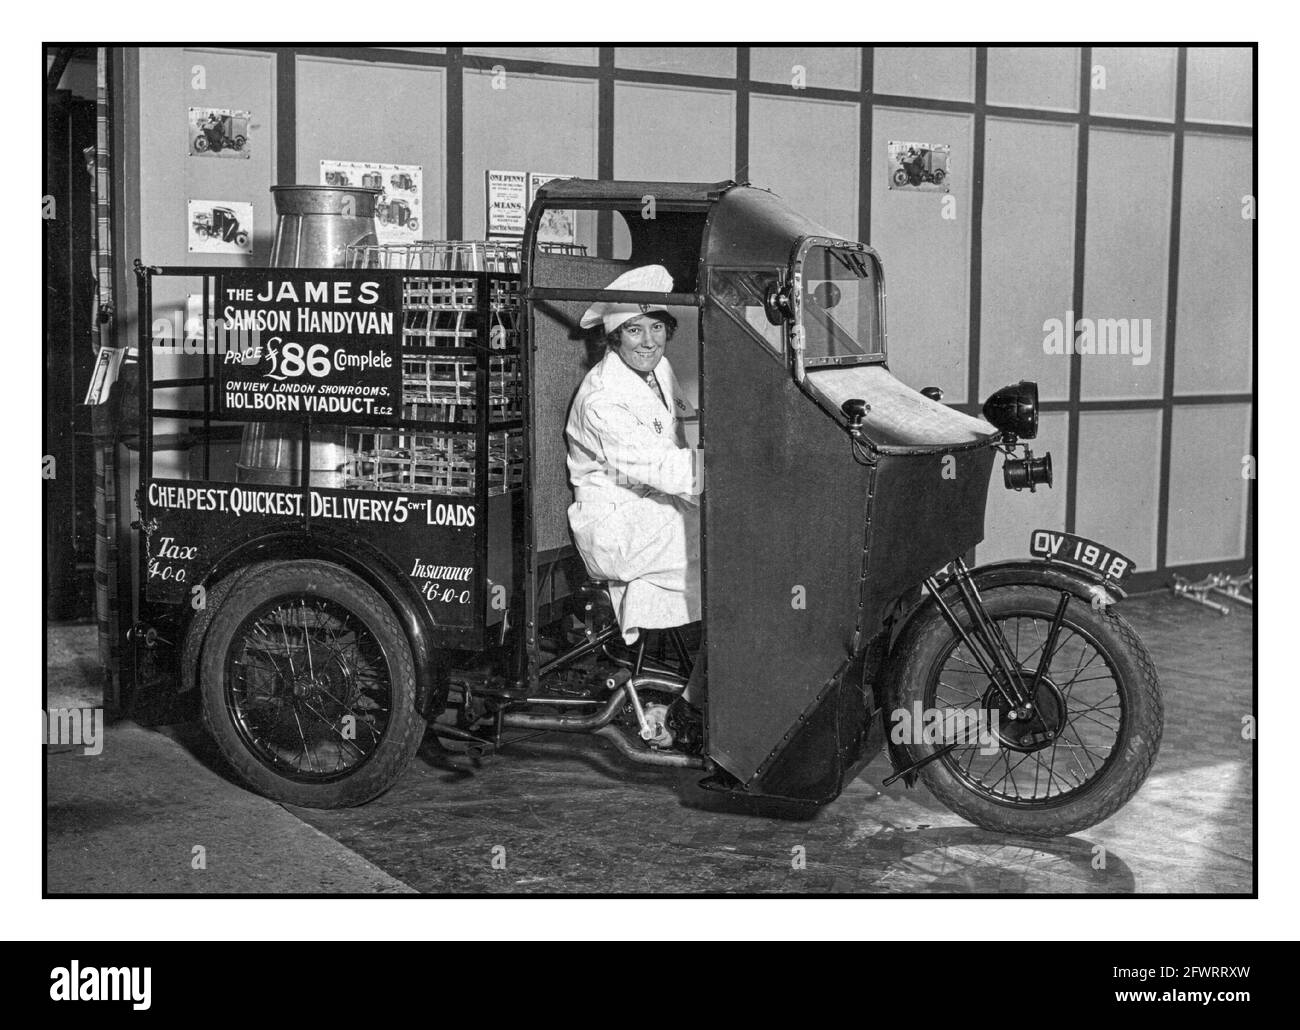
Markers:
{"x": 1099, "y": 803}
{"x": 382, "y": 770}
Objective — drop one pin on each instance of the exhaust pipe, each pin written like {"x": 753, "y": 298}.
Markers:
{"x": 659, "y": 683}
{"x": 568, "y": 723}
{"x": 589, "y": 723}
{"x": 674, "y": 759}
{"x": 599, "y": 725}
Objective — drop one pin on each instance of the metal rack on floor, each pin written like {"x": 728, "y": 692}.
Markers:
{"x": 1221, "y": 585}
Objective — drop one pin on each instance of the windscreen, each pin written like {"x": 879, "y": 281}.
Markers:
{"x": 840, "y": 309}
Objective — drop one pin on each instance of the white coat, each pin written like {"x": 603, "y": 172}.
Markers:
{"x": 635, "y": 516}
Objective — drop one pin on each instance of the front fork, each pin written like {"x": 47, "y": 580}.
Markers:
{"x": 985, "y": 641}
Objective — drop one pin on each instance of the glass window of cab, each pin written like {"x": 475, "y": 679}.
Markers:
{"x": 839, "y": 308}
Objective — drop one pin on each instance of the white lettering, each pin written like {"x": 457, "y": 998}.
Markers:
{"x": 107, "y": 983}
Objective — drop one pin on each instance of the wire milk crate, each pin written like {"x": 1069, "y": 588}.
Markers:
{"x": 441, "y": 463}
{"x": 443, "y": 343}
{"x": 442, "y": 389}
{"x": 438, "y": 255}
{"x": 442, "y": 311}
{"x": 451, "y": 255}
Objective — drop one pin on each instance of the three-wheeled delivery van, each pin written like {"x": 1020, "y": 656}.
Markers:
{"x": 365, "y": 539}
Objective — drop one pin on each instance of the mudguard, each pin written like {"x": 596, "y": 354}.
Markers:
{"x": 1088, "y": 586}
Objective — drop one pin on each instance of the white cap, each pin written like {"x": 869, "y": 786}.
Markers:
{"x": 646, "y": 279}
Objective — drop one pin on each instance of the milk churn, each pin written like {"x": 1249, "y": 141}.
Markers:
{"x": 316, "y": 224}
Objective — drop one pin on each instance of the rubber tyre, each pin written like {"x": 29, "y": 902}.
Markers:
{"x": 405, "y": 728}
{"x": 900, "y": 177}
{"x": 196, "y": 634}
{"x": 200, "y": 143}
{"x": 919, "y": 657}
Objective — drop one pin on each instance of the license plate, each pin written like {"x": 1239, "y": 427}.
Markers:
{"x": 1082, "y": 553}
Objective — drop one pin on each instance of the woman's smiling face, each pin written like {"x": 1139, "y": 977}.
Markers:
{"x": 641, "y": 342}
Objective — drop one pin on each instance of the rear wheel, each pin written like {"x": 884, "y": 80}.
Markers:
{"x": 1084, "y": 752}
{"x": 309, "y": 686}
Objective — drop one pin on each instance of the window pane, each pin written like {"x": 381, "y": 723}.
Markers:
{"x": 840, "y": 310}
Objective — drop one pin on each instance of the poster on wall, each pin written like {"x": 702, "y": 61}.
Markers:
{"x": 220, "y": 227}
{"x": 507, "y": 203}
{"x": 919, "y": 167}
{"x": 219, "y": 132}
{"x": 399, "y": 206}
{"x": 557, "y": 226}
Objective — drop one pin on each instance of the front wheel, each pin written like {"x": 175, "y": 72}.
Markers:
{"x": 1090, "y": 743}
{"x": 309, "y": 686}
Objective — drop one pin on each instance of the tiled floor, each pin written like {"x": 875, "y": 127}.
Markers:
{"x": 552, "y": 814}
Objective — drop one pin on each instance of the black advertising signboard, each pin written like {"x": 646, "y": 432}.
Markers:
{"x": 314, "y": 343}
{"x": 428, "y": 538}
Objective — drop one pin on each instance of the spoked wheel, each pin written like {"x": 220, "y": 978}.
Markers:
{"x": 1077, "y": 756}
{"x": 309, "y": 687}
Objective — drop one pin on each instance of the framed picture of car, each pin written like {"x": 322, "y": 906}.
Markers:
{"x": 920, "y": 167}
{"x": 219, "y": 132}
